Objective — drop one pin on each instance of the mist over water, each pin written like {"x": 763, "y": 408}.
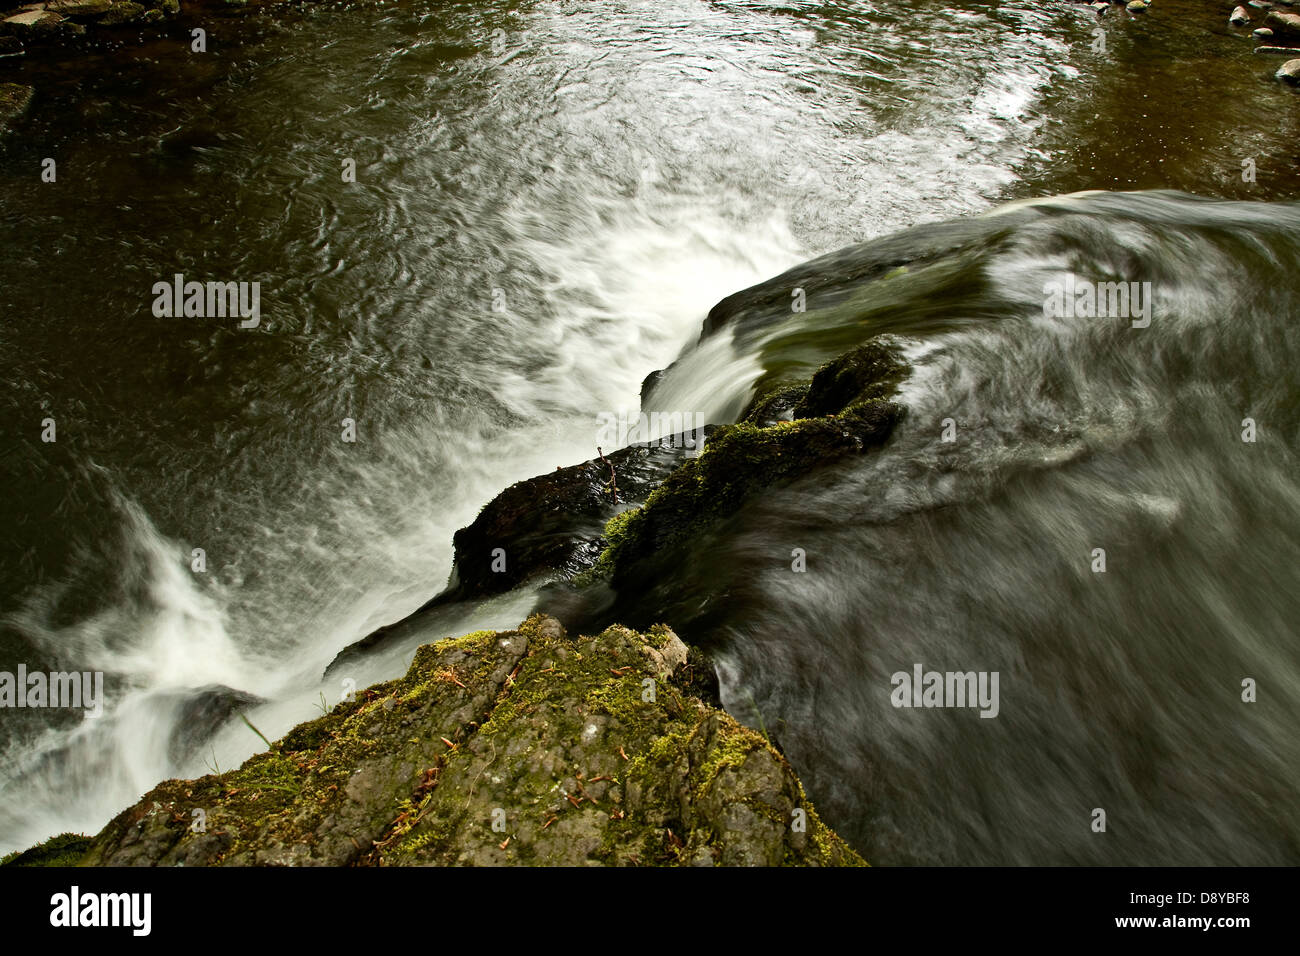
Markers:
{"x": 612, "y": 170}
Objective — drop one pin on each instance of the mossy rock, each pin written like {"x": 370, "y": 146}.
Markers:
{"x": 14, "y": 100}
{"x": 66, "y": 849}
{"x": 845, "y": 410}
{"x": 518, "y": 747}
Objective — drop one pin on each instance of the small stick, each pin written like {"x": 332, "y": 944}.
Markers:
{"x": 613, "y": 478}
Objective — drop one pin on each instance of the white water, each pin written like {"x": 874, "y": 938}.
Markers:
{"x": 631, "y": 165}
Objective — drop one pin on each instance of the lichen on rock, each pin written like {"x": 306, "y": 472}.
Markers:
{"x": 496, "y": 748}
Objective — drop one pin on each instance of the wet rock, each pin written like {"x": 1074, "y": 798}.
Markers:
{"x": 10, "y": 45}
{"x": 31, "y": 22}
{"x": 520, "y": 747}
{"x": 1101, "y": 8}
{"x": 122, "y": 12}
{"x": 80, "y": 9}
{"x": 1285, "y": 26}
{"x": 1137, "y": 6}
{"x": 202, "y": 713}
{"x": 1276, "y": 50}
{"x": 1263, "y": 33}
{"x": 14, "y": 100}
{"x": 1239, "y": 17}
{"x": 554, "y": 522}
{"x": 548, "y": 527}
{"x": 1289, "y": 72}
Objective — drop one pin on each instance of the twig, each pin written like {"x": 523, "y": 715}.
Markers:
{"x": 613, "y": 477}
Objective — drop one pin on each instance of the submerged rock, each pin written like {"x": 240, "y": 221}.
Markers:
{"x": 1137, "y": 6}
{"x": 520, "y": 747}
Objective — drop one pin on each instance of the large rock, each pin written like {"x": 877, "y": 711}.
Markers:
{"x": 553, "y": 524}
{"x": 80, "y": 9}
{"x": 846, "y": 409}
{"x": 31, "y": 22}
{"x": 521, "y": 747}
{"x": 1285, "y": 26}
{"x": 1289, "y": 72}
{"x": 548, "y": 527}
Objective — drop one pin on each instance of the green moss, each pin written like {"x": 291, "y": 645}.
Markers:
{"x": 66, "y": 849}
{"x": 375, "y": 783}
{"x": 844, "y": 410}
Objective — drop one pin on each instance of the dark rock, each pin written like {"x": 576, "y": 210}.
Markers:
{"x": 846, "y": 411}
{"x": 202, "y": 712}
{"x": 551, "y": 526}
{"x": 14, "y": 100}
{"x": 10, "y": 45}
{"x": 554, "y": 522}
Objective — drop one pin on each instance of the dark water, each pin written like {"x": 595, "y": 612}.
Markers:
{"x": 601, "y": 174}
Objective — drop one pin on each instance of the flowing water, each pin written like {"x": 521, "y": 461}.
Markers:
{"x": 549, "y": 198}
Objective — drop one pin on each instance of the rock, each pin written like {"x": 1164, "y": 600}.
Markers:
{"x": 1137, "y": 6}
{"x": 1276, "y": 50}
{"x": 1289, "y": 72}
{"x": 846, "y": 409}
{"x": 80, "y": 9}
{"x": 202, "y": 712}
{"x": 1239, "y": 17}
{"x": 1100, "y": 7}
{"x": 520, "y": 747}
{"x": 10, "y": 45}
{"x": 1286, "y": 26}
{"x": 14, "y": 100}
{"x": 121, "y": 12}
{"x": 1263, "y": 33}
{"x": 551, "y": 526}
{"x": 31, "y": 22}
